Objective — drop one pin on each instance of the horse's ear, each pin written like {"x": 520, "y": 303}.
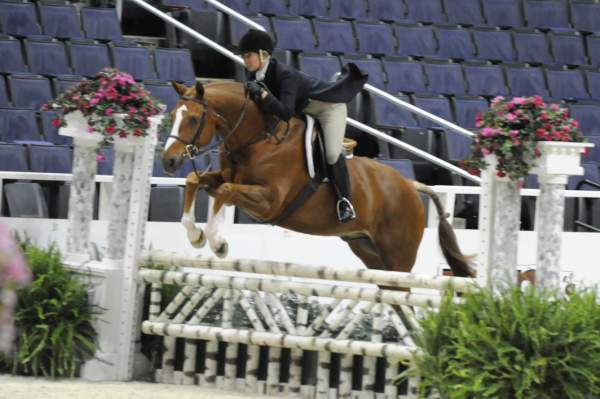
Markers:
{"x": 179, "y": 88}
{"x": 199, "y": 91}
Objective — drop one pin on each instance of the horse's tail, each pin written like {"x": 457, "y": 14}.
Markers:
{"x": 459, "y": 263}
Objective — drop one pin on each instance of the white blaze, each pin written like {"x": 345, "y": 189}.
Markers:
{"x": 176, "y": 124}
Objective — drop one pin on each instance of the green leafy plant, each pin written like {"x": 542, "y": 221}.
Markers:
{"x": 53, "y": 319}
{"x": 510, "y": 130}
{"x": 525, "y": 344}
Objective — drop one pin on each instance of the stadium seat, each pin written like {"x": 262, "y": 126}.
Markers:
{"x": 308, "y": 8}
{"x": 593, "y": 154}
{"x": 196, "y": 5}
{"x": 51, "y": 158}
{"x": 484, "y": 79}
{"x": 385, "y": 10}
{"x": 336, "y": 36}
{"x": 566, "y": 83}
{"x": 464, "y": 12}
{"x": 455, "y": 146}
{"x": 567, "y": 47}
{"x": 371, "y": 66}
{"x": 18, "y": 124}
{"x": 546, "y": 13}
{"x": 51, "y": 132}
{"x": 321, "y": 66}
{"x": 25, "y": 200}
{"x": 404, "y": 75}
{"x": 403, "y": 166}
{"x": 243, "y": 6}
{"x": 425, "y": 11}
{"x": 65, "y": 82}
{"x": 19, "y": 18}
{"x": 590, "y": 172}
{"x": 47, "y": 57}
{"x": 166, "y": 204}
{"x": 106, "y": 161}
{"x": 434, "y": 104}
{"x": 135, "y": 60}
{"x": 350, "y": 9}
{"x": 585, "y": 15}
{"x": 503, "y": 12}
{"x": 11, "y": 55}
{"x": 101, "y": 23}
{"x": 174, "y": 64}
{"x": 592, "y": 77}
{"x": 454, "y": 42}
{"x": 375, "y": 38}
{"x": 532, "y": 46}
{"x": 420, "y": 138}
{"x": 163, "y": 92}
{"x": 494, "y": 44}
{"x": 293, "y": 33}
{"x": 593, "y": 47}
{"x": 415, "y": 40}
{"x": 525, "y": 81}
{"x": 88, "y": 57}
{"x": 237, "y": 29}
{"x": 587, "y": 113}
{"x": 13, "y": 158}
{"x": 387, "y": 115}
{"x": 60, "y": 20}
{"x": 466, "y": 108}
{"x": 270, "y": 7}
{"x": 29, "y": 91}
{"x": 4, "y": 101}
{"x": 444, "y": 77}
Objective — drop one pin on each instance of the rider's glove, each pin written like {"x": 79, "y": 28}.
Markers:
{"x": 254, "y": 89}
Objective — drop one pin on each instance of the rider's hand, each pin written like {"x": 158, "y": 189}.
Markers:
{"x": 254, "y": 89}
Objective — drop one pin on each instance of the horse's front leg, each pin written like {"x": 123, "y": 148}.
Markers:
{"x": 253, "y": 199}
{"x": 217, "y": 243}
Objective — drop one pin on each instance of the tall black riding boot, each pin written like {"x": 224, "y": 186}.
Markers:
{"x": 338, "y": 173}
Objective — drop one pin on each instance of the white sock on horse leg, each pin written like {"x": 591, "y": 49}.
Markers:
{"x": 216, "y": 242}
{"x": 194, "y": 234}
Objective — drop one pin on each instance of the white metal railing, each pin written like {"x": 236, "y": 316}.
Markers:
{"x": 386, "y": 96}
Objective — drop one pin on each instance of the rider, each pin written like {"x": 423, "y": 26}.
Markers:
{"x": 284, "y": 91}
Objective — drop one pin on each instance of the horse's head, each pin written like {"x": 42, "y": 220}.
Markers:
{"x": 193, "y": 126}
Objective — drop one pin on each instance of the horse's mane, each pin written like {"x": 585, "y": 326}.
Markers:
{"x": 225, "y": 86}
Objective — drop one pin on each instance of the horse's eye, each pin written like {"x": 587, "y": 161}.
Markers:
{"x": 193, "y": 120}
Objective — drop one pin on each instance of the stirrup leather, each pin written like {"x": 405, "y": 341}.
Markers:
{"x": 345, "y": 218}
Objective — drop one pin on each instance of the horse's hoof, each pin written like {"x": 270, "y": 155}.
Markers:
{"x": 222, "y": 250}
{"x": 197, "y": 238}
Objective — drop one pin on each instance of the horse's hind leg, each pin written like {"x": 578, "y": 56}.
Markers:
{"x": 188, "y": 219}
{"x": 365, "y": 250}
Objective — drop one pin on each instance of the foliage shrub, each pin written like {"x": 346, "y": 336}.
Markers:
{"x": 524, "y": 344}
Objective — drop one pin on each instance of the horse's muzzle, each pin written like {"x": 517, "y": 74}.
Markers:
{"x": 171, "y": 164}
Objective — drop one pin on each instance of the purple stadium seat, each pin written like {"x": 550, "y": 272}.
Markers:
{"x": 404, "y": 75}
{"x": 18, "y": 124}
{"x": 415, "y": 40}
{"x": 587, "y": 113}
{"x": 444, "y": 77}
{"x": 387, "y": 115}
{"x": 29, "y": 91}
{"x": 371, "y": 66}
{"x": 585, "y": 15}
{"x": 335, "y": 36}
{"x": 60, "y": 20}
{"x": 174, "y": 64}
{"x": 425, "y": 11}
{"x": 567, "y": 47}
{"x": 375, "y": 38}
{"x": 47, "y": 57}
{"x": 13, "y": 157}
{"x": 503, "y": 12}
{"x": 11, "y": 55}
{"x": 466, "y": 12}
{"x": 88, "y": 57}
{"x": 434, "y": 104}
{"x": 293, "y": 33}
{"x": 532, "y": 46}
{"x": 566, "y": 83}
{"x": 386, "y": 10}
{"x": 547, "y": 13}
{"x": 466, "y": 108}
{"x": 101, "y": 23}
{"x": 19, "y": 18}
{"x": 454, "y": 42}
{"x": 494, "y": 44}
{"x": 51, "y": 158}
{"x": 135, "y": 60}
{"x": 525, "y": 81}
{"x": 485, "y": 79}
{"x": 321, "y": 66}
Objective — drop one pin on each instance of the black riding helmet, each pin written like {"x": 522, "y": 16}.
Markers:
{"x": 255, "y": 40}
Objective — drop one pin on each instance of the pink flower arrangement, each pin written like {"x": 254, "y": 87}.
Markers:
{"x": 102, "y": 99}
{"x": 510, "y": 130}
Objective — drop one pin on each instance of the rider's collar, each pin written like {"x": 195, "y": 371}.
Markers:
{"x": 260, "y": 74}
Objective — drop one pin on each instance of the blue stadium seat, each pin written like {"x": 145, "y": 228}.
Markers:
{"x": 164, "y": 92}
{"x": 4, "y": 101}
{"x": 26, "y": 199}
{"x": 403, "y": 166}
{"x": 237, "y": 29}
{"x": 196, "y": 5}
{"x": 592, "y": 77}
{"x": 371, "y": 66}
{"x": 51, "y": 132}
{"x": 567, "y": 47}
{"x": 29, "y": 91}
{"x": 18, "y": 124}
{"x": 13, "y": 158}
{"x": 425, "y": 11}
{"x": 385, "y": 10}
{"x": 135, "y": 60}
{"x": 19, "y": 18}
{"x": 454, "y": 42}
{"x": 593, "y": 154}
{"x": 375, "y": 38}
{"x": 308, "y": 8}
{"x": 11, "y": 55}
{"x": 494, "y": 44}
{"x": 60, "y": 20}
{"x": 485, "y": 79}
{"x": 503, "y": 12}
{"x": 455, "y": 146}
{"x": 465, "y": 12}
{"x": 466, "y": 109}
{"x": 47, "y": 57}
{"x": 525, "y": 81}
{"x": 417, "y": 40}
{"x": 270, "y": 7}
{"x": 64, "y": 82}
{"x": 587, "y": 113}
{"x": 351, "y": 9}
{"x": 321, "y": 66}
{"x": 444, "y": 77}
{"x": 174, "y": 64}
{"x": 105, "y": 165}
{"x": 532, "y": 46}
{"x": 590, "y": 172}
{"x": 566, "y": 83}
{"x": 293, "y": 33}
{"x": 434, "y": 104}
{"x": 420, "y": 138}
{"x": 50, "y": 158}
{"x": 404, "y": 75}
{"x": 243, "y": 6}
{"x": 387, "y": 115}
{"x": 166, "y": 204}
{"x": 593, "y": 47}
{"x": 335, "y": 36}
{"x": 585, "y": 15}
{"x": 88, "y": 57}
{"x": 101, "y": 23}
{"x": 547, "y": 13}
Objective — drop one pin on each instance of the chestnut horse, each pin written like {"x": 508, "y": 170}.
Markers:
{"x": 263, "y": 169}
